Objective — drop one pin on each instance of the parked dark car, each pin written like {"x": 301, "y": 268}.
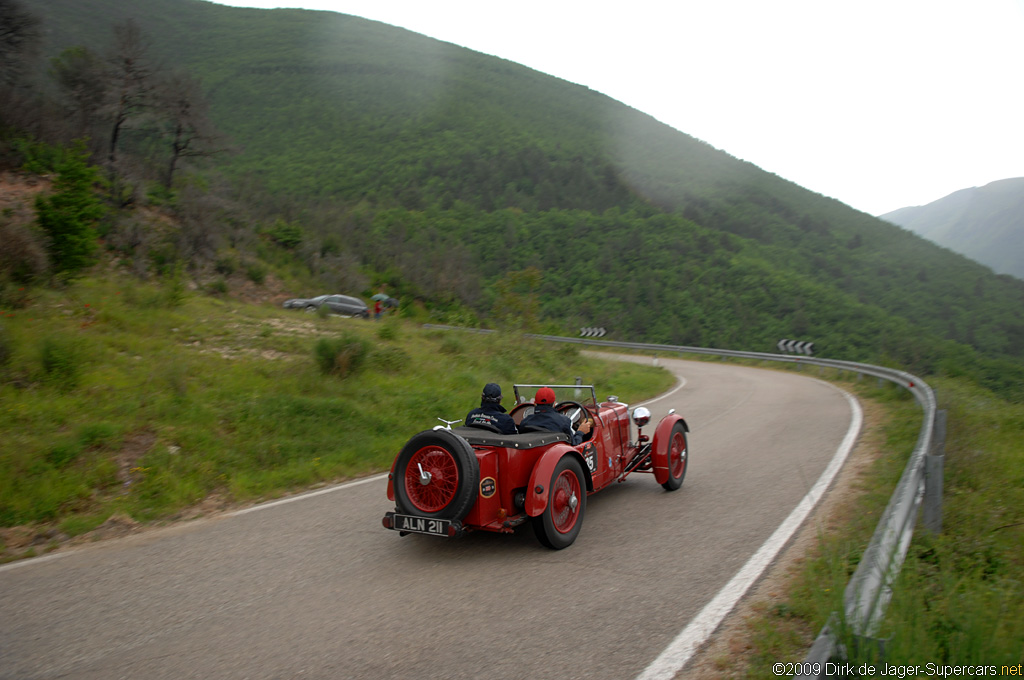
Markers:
{"x": 344, "y": 305}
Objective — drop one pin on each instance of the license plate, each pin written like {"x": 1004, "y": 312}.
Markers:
{"x": 420, "y": 525}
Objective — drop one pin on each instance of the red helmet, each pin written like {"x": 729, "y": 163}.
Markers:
{"x": 545, "y": 395}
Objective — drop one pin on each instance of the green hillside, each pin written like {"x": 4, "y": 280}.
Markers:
{"x": 452, "y": 175}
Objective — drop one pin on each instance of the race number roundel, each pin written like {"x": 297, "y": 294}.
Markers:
{"x": 487, "y": 487}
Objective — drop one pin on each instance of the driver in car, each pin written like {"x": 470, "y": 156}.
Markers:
{"x": 544, "y": 415}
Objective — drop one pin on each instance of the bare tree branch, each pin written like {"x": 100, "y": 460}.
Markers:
{"x": 19, "y": 38}
{"x": 185, "y": 115}
{"x": 130, "y": 80}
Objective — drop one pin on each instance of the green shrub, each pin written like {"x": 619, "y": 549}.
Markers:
{"x": 568, "y": 352}
{"x": 286, "y": 234}
{"x": 256, "y": 272}
{"x": 69, "y": 216}
{"x": 97, "y": 434}
{"x": 157, "y": 194}
{"x": 61, "y": 361}
{"x": 76, "y": 525}
{"x": 225, "y": 265}
{"x": 388, "y": 331}
{"x": 37, "y": 157}
{"x": 23, "y": 260}
{"x": 175, "y": 377}
{"x": 164, "y": 258}
{"x": 174, "y": 290}
{"x": 452, "y": 345}
{"x": 63, "y": 453}
{"x": 391, "y": 359}
{"x": 217, "y": 287}
{"x": 6, "y": 347}
{"x": 341, "y": 356}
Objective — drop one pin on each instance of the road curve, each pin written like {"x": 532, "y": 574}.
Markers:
{"x": 316, "y": 588}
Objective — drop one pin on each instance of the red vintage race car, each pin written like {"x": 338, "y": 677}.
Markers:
{"x": 448, "y": 481}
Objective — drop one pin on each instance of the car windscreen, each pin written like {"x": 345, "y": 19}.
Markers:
{"x": 584, "y": 394}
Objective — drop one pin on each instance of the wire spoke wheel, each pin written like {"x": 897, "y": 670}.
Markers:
{"x": 436, "y": 475}
{"x": 559, "y": 525}
{"x": 565, "y": 502}
{"x": 431, "y": 479}
{"x": 678, "y": 455}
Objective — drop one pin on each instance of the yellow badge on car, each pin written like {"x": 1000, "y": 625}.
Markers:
{"x": 487, "y": 487}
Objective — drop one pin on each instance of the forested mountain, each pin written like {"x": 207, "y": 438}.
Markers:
{"x": 459, "y": 176}
{"x": 984, "y": 223}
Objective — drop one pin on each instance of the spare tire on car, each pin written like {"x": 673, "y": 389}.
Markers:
{"x": 436, "y": 475}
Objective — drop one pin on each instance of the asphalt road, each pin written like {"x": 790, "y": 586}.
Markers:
{"x": 316, "y": 588}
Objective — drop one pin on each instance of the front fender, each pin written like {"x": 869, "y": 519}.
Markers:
{"x": 660, "y": 444}
{"x": 540, "y": 478}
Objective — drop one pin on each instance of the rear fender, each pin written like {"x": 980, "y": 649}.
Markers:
{"x": 660, "y": 444}
{"x": 540, "y": 478}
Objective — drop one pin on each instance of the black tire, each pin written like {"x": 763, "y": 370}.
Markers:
{"x": 559, "y": 525}
{"x": 452, "y": 475}
{"x": 678, "y": 457}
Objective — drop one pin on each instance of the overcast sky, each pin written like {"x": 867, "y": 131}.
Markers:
{"x": 881, "y": 104}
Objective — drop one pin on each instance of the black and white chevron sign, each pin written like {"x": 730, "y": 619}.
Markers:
{"x": 592, "y": 332}
{"x": 796, "y": 347}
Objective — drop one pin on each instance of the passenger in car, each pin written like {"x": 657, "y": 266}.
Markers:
{"x": 491, "y": 415}
{"x": 545, "y": 416}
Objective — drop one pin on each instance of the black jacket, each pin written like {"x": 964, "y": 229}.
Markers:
{"x": 492, "y": 414}
{"x": 545, "y": 415}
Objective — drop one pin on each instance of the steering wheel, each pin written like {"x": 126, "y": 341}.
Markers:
{"x": 577, "y": 415}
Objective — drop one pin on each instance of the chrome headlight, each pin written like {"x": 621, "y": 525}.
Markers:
{"x": 641, "y": 416}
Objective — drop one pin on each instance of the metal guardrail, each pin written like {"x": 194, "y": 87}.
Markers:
{"x": 870, "y": 588}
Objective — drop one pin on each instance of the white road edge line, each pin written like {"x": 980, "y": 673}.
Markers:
{"x": 685, "y": 645}
{"x": 304, "y": 496}
{"x": 681, "y": 385}
{"x": 32, "y": 561}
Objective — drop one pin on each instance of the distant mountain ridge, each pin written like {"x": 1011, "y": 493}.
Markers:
{"x": 984, "y": 223}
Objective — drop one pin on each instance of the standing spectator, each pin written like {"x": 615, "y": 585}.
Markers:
{"x": 379, "y": 298}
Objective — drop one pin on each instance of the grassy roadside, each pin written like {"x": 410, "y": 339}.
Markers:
{"x": 126, "y": 400}
{"x": 959, "y": 599}
{"x": 119, "y": 399}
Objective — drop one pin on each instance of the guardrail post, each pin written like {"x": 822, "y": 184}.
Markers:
{"x": 819, "y": 659}
{"x": 869, "y": 649}
{"x": 933, "y": 471}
